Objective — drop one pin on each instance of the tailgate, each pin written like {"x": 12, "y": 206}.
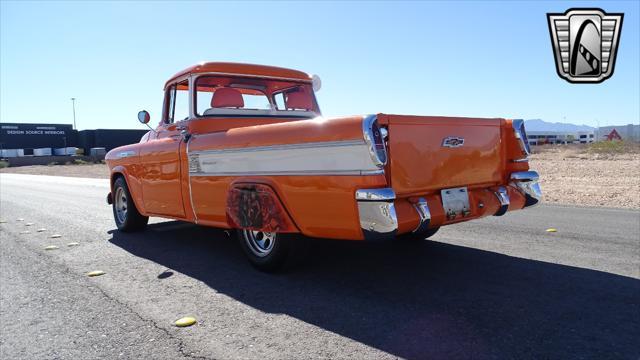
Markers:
{"x": 432, "y": 153}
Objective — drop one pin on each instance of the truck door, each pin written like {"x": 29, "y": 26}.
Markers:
{"x": 160, "y": 157}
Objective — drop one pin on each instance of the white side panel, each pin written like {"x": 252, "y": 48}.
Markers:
{"x": 341, "y": 158}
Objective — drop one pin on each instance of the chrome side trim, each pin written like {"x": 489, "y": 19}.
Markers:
{"x": 293, "y": 173}
{"x": 503, "y": 197}
{"x": 377, "y": 213}
{"x": 349, "y": 157}
{"x": 385, "y": 194}
{"x": 298, "y": 146}
{"x": 425, "y": 215}
{"x": 527, "y": 183}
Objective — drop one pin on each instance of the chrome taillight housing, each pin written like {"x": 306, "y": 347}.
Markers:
{"x": 375, "y": 136}
{"x": 521, "y": 135}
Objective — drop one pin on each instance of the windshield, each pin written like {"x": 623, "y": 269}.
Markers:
{"x": 241, "y": 96}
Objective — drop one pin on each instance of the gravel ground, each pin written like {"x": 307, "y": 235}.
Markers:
{"x": 569, "y": 175}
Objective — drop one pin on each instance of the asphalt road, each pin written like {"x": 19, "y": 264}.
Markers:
{"x": 492, "y": 288}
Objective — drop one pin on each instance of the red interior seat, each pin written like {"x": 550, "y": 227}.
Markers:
{"x": 227, "y": 98}
{"x": 299, "y": 100}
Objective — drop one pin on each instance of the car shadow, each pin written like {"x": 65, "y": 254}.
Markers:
{"x": 420, "y": 300}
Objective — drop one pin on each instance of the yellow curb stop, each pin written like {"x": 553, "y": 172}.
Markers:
{"x": 51, "y": 247}
{"x": 95, "y": 273}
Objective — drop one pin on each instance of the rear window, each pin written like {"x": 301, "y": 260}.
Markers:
{"x": 217, "y": 95}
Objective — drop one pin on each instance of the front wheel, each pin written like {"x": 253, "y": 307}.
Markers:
{"x": 125, "y": 213}
{"x": 267, "y": 251}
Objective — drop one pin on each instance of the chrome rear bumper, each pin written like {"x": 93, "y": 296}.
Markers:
{"x": 527, "y": 183}
{"x": 379, "y": 221}
{"x": 377, "y": 212}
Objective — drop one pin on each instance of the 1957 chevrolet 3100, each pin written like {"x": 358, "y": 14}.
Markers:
{"x": 245, "y": 147}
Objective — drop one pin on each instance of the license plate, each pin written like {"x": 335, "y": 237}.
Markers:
{"x": 455, "y": 202}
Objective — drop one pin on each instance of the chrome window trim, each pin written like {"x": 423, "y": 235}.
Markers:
{"x": 192, "y": 103}
{"x": 199, "y": 74}
{"x": 194, "y": 93}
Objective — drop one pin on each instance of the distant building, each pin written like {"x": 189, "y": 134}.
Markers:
{"x": 28, "y": 139}
{"x": 560, "y": 137}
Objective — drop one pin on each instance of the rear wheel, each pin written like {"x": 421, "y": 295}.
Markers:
{"x": 267, "y": 251}
{"x": 412, "y": 237}
{"x": 125, "y": 213}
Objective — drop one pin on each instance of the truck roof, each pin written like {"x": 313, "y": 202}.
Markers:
{"x": 229, "y": 68}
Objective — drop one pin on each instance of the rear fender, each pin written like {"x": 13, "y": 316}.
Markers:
{"x": 257, "y": 207}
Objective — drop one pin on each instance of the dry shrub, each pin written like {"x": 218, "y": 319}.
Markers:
{"x": 614, "y": 147}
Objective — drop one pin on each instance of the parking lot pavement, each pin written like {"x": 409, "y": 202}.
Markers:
{"x": 492, "y": 288}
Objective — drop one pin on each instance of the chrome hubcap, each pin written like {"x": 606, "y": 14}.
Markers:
{"x": 259, "y": 242}
{"x": 120, "y": 204}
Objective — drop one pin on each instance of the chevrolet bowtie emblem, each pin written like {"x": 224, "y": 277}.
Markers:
{"x": 452, "y": 141}
{"x": 585, "y": 44}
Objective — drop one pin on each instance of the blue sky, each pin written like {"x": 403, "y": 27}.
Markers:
{"x": 488, "y": 59}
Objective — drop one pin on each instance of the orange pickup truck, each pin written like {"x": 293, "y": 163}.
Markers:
{"x": 245, "y": 147}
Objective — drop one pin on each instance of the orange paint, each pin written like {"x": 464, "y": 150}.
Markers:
{"x": 157, "y": 169}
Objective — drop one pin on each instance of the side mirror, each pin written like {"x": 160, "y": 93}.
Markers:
{"x": 144, "y": 117}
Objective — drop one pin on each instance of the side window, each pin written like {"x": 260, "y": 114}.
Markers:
{"x": 178, "y": 99}
{"x": 170, "y": 100}
{"x": 279, "y": 101}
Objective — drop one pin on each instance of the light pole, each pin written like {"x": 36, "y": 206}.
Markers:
{"x": 73, "y": 101}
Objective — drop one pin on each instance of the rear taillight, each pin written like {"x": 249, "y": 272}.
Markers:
{"x": 521, "y": 135}
{"x": 375, "y": 136}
